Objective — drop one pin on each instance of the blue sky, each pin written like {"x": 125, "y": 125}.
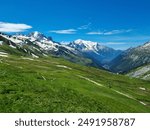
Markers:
{"x": 115, "y": 23}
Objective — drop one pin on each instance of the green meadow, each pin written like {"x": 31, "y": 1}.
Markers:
{"x": 55, "y": 85}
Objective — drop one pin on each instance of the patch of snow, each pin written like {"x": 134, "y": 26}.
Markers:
{"x": 124, "y": 94}
{"x": 25, "y": 50}
{"x": 63, "y": 66}
{"x": 13, "y": 39}
{"x": 143, "y": 103}
{"x": 12, "y": 46}
{"x": 34, "y": 56}
{"x": 32, "y": 39}
{"x": 142, "y": 88}
{"x": 36, "y": 49}
{"x": 3, "y": 55}
{"x": 47, "y": 46}
{"x": 26, "y": 58}
{"x": 1, "y": 42}
{"x": 21, "y": 37}
{"x": 90, "y": 80}
{"x": 129, "y": 97}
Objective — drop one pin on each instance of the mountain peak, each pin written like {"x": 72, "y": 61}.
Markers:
{"x": 39, "y": 36}
{"x": 88, "y": 45}
{"x": 80, "y": 41}
{"x": 36, "y": 34}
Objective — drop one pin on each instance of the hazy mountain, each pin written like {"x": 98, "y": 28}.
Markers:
{"x": 131, "y": 58}
{"x": 100, "y": 54}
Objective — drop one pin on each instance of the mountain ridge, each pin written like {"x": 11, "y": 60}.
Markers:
{"x": 98, "y": 54}
{"x": 131, "y": 59}
{"x": 80, "y": 51}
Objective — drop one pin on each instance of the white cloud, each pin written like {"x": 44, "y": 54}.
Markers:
{"x": 112, "y": 32}
{"x": 117, "y": 32}
{"x": 133, "y": 38}
{"x": 84, "y": 27}
{"x": 95, "y": 33}
{"x": 13, "y": 27}
{"x": 67, "y": 31}
{"x": 71, "y": 31}
{"x": 115, "y": 43}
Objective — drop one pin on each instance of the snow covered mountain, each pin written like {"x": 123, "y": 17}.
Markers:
{"x": 83, "y": 45}
{"x": 132, "y": 58}
{"x": 39, "y": 36}
{"x": 36, "y": 44}
{"x": 80, "y": 51}
{"x": 45, "y": 43}
{"x": 100, "y": 54}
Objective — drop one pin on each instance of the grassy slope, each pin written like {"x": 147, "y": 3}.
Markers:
{"x": 40, "y": 85}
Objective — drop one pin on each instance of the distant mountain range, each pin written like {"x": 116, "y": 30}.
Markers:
{"x": 131, "y": 59}
{"x": 79, "y": 51}
{"x": 99, "y": 54}
{"x": 37, "y": 45}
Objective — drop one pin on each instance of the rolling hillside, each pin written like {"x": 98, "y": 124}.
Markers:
{"x": 49, "y": 84}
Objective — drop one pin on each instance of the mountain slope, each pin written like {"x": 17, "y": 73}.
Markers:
{"x": 131, "y": 59}
{"x": 54, "y": 85}
{"x": 38, "y": 45}
{"x": 142, "y": 72}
